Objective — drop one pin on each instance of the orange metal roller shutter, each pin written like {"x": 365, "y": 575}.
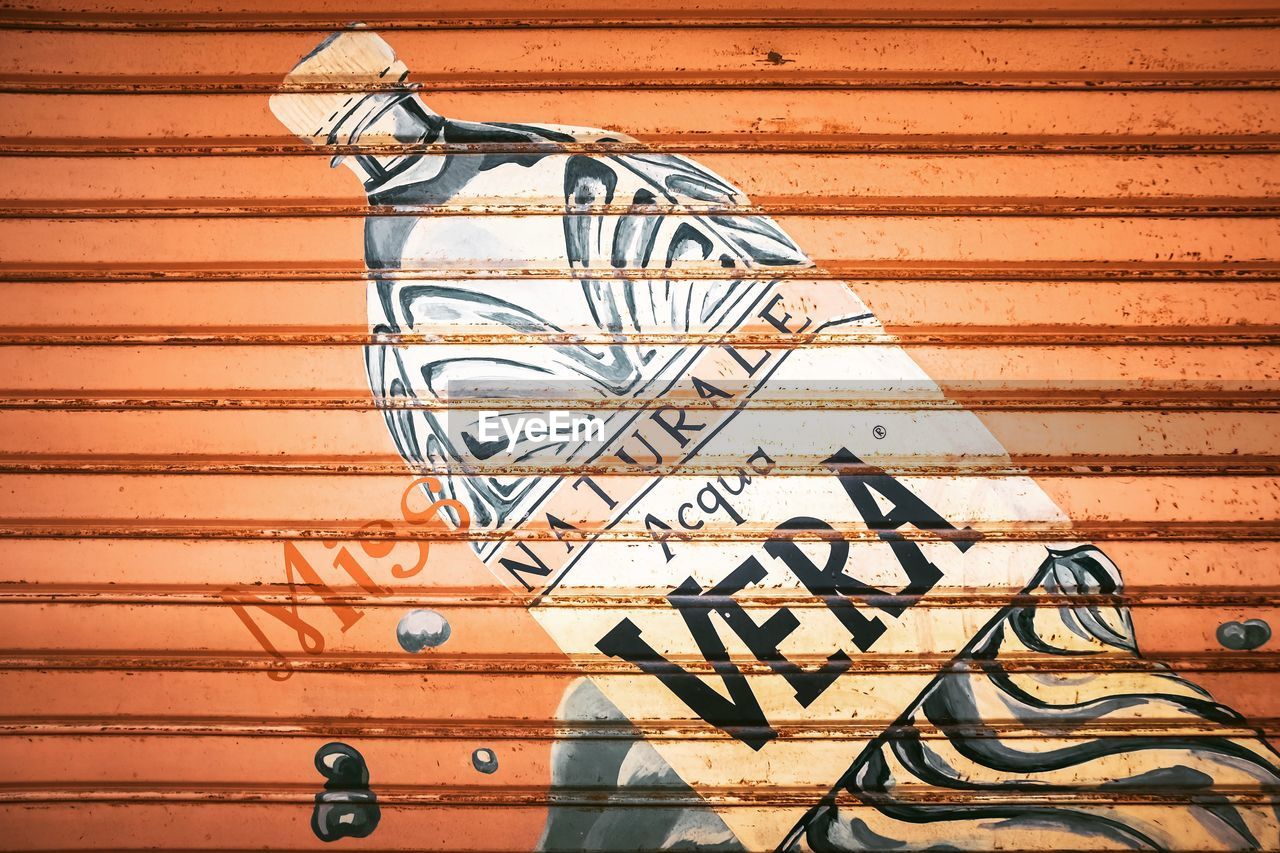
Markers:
{"x": 1066, "y": 215}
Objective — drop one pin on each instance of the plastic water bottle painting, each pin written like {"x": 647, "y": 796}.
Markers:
{"x": 720, "y": 466}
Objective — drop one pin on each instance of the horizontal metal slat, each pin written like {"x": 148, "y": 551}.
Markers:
{"x": 1062, "y": 81}
{"x": 354, "y": 436}
{"x": 514, "y": 796}
{"x": 795, "y": 179}
{"x": 782, "y": 208}
{"x": 1260, "y": 334}
{"x": 1071, "y": 467}
{"x": 156, "y": 629}
{"x": 992, "y": 376}
{"x": 1099, "y": 311}
{"x": 542, "y": 56}
{"x": 1183, "y": 531}
{"x": 179, "y": 595}
{"x": 315, "y": 695}
{"x": 839, "y": 271}
{"x": 776, "y": 143}
{"x": 597, "y": 14}
{"x": 99, "y": 732}
{"x": 61, "y": 503}
{"x": 143, "y": 826}
{"x": 831, "y": 241}
{"x": 1154, "y": 570}
{"x": 982, "y": 400}
{"x": 747, "y": 118}
{"x": 502, "y": 666}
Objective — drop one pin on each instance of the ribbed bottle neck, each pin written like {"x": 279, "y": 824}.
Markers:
{"x": 391, "y": 132}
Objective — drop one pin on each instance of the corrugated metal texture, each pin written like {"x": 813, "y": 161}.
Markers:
{"x": 1066, "y": 216}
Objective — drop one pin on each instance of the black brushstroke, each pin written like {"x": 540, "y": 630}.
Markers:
{"x": 1244, "y": 636}
{"x": 986, "y": 762}
{"x": 346, "y": 808}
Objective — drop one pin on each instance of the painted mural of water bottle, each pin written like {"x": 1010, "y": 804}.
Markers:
{"x": 542, "y": 262}
{"x": 618, "y": 219}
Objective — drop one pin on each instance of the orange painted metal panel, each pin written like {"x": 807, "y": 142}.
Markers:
{"x": 248, "y": 602}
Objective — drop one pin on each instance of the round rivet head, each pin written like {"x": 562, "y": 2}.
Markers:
{"x": 484, "y": 760}
{"x": 1244, "y": 636}
{"x": 422, "y": 629}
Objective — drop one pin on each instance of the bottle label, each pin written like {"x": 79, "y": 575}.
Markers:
{"x": 737, "y": 605}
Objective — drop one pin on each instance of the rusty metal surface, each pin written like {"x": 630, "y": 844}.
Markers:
{"x": 1067, "y": 216}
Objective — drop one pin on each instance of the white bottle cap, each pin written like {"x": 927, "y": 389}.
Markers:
{"x": 358, "y": 60}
